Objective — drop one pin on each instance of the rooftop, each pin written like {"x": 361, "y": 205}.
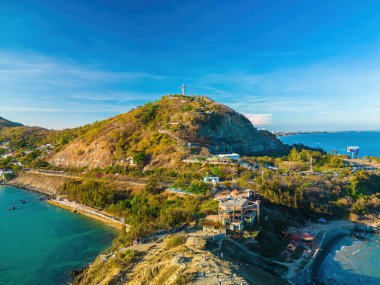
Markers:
{"x": 234, "y": 203}
{"x": 212, "y": 217}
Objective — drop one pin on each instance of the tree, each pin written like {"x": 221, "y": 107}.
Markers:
{"x": 198, "y": 187}
{"x": 217, "y": 171}
{"x": 140, "y": 159}
{"x": 294, "y": 155}
{"x": 152, "y": 185}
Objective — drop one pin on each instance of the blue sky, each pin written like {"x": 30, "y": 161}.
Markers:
{"x": 287, "y": 65}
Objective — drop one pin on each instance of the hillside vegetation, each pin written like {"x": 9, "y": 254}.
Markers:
{"x": 5, "y": 123}
{"x": 162, "y": 133}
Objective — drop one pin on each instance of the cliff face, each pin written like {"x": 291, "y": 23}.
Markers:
{"x": 163, "y": 130}
{"x": 232, "y": 132}
{"x": 45, "y": 184}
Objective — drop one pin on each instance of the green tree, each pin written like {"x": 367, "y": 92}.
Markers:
{"x": 152, "y": 186}
{"x": 140, "y": 159}
{"x": 198, "y": 187}
{"x": 217, "y": 171}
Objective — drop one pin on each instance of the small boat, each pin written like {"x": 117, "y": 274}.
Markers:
{"x": 11, "y": 208}
{"x": 22, "y": 201}
{"x": 359, "y": 236}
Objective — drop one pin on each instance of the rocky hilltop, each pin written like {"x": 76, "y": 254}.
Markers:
{"x": 5, "y": 123}
{"x": 164, "y": 131}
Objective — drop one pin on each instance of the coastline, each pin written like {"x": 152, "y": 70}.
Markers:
{"x": 330, "y": 237}
{"x": 324, "y": 252}
{"x": 78, "y": 208}
{"x": 88, "y": 212}
{"x": 37, "y": 190}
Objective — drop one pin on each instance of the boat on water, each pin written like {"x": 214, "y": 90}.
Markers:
{"x": 22, "y": 201}
{"x": 360, "y": 236}
{"x": 12, "y": 208}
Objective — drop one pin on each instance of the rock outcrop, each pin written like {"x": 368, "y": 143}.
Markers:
{"x": 48, "y": 185}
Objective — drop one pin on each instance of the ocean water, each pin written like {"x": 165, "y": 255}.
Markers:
{"x": 353, "y": 262}
{"x": 350, "y": 261}
{"x": 41, "y": 244}
{"x": 368, "y": 142}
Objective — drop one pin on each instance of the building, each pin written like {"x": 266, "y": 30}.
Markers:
{"x": 237, "y": 212}
{"x": 232, "y": 156}
{"x": 5, "y": 172}
{"x": 211, "y": 179}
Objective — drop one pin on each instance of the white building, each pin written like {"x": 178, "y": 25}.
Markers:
{"x": 231, "y": 156}
{"x": 211, "y": 179}
{"x": 4, "y": 172}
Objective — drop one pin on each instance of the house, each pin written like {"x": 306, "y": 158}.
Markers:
{"x": 236, "y": 212}
{"x": 222, "y": 198}
{"x": 211, "y": 179}
{"x": 246, "y": 165}
{"x": 231, "y": 156}
{"x": 5, "y": 172}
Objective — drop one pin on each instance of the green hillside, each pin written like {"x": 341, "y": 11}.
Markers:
{"x": 164, "y": 131}
{"x": 5, "y": 123}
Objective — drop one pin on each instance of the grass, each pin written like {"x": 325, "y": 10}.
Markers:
{"x": 175, "y": 240}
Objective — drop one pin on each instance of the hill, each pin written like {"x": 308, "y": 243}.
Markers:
{"x": 163, "y": 132}
{"x": 5, "y": 123}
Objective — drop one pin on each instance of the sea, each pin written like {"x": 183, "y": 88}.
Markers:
{"x": 350, "y": 261}
{"x": 42, "y": 244}
{"x": 368, "y": 142}
{"x": 353, "y": 261}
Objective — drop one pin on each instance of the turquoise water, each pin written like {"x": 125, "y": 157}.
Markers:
{"x": 369, "y": 142}
{"x": 41, "y": 244}
{"x": 353, "y": 262}
{"x": 350, "y": 261}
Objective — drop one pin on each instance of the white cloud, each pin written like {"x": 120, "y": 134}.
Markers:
{"x": 260, "y": 119}
{"x": 38, "y": 69}
{"x": 33, "y": 84}
{"x": 335, "y": 94}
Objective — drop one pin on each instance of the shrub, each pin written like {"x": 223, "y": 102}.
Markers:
{"x": 140, "y": 158}
{"x": 175, "y": 240}
{"x": 198, "y": 187}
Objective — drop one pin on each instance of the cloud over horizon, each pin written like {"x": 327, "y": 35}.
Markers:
{"x": 336, "y": 94}
{"x": 260, "y": 119}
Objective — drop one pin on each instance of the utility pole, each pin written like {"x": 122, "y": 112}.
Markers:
{"x": 258, "y": 214}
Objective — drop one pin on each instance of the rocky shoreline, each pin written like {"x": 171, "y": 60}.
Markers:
{"x": 47, "y": 185}
{"x": 50, "y": 189}
{"x": 37, "y": 190}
